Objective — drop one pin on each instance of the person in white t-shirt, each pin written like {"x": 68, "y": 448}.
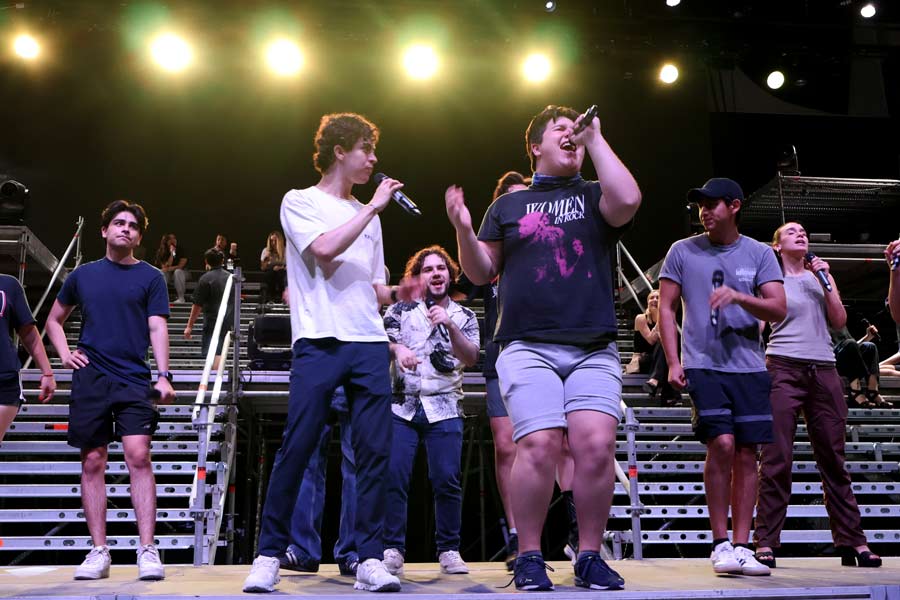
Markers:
{"x": 335, "y": 265}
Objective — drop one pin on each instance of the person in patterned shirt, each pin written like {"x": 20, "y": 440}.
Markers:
{"x": 431, "y": 340}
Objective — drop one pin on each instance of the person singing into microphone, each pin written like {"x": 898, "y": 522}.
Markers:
{"x": 801, "y": 364}
{"x": 559, "y": 366}
{"x": 335, "y": 266}
{"x": 728, "y": 283}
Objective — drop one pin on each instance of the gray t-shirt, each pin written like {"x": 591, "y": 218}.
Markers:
{"x": 734, "y": 345}
{"x": 804, "y": 333}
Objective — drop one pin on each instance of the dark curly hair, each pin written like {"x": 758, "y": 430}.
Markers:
{"x": 507, "y": 180}
{"x": 414, "y": 264}
{"x": 535, "y": 132}
{"x": 120, "y": 206}
{"x": 344, "y": 130}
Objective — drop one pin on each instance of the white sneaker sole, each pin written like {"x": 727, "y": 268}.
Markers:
{"x": 732, "y": 569}
{"x": 757, "y": 571}
{"x": 388, "y": 586}
{"x": 90, "y": 577}
{"x": 254, "y": 588}
{"x": 157, "y": 576}
{"x": 455, "y": 570}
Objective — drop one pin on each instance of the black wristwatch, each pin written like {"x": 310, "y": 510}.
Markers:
{"x": 165, "y": 375}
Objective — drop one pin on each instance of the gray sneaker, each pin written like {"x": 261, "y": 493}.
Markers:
{"x": 150, "y": 567}
{"x": 263, "y": 575}
{"x": 393, "y": 561}
{"x": 95, "y": 564}
{"x": 372, "y": 576}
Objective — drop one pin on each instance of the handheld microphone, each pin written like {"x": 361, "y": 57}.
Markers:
{"x": 895, "y": 262}
{"x": 865, "y": 323}
{"x": 718, "y": 279}
{"x": 589, "y": 115}
{"x": 823, "y": 277}
{"x": 442, "y": 329}
{"x": 400, "y": 198}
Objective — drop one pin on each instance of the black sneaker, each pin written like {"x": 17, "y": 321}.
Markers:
{"x": 531, "y": 574}
{"x": 294, "y": 562}
{"x": 512, "y": 551}
{"x": 592, "y": 572}
{"x": 348, "y": 566}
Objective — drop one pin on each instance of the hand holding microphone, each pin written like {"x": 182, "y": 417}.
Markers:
{"x": 718, "y": 278}
{"x": 820, "y": 268}
{"x": 442, "y": 329}
{"x": 393, "y": 189}
{"x": 586, "y": 120}
{"x": 892, "y": 254}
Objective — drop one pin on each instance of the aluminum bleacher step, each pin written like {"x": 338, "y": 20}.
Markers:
{"x": 113, "y": 515}
{"x": 84, "y": 544}
{"x": 696, "y": 466}
{"x": 163, "y": 490}
{"x": 795, "y": 536}
{"x": 813, "y": 488}
{"x": 700, "y": 511}
{"x": 74, "y": 468}
{"x": 61, "y": 428}
{"x": 60, "y": 447}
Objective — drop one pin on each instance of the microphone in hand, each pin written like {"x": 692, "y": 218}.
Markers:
{"x": 589, "y": 115}
{"x": 400, "y": 198}
{"x": 442, "y": 329}
{"x": 820, "y": 274}
{"x": 718, "y": 279}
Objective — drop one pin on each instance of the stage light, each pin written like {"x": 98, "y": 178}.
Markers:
{"x": 668, "y": 74}
{"x": 420, "y": 61}
{"x": 284, "y": 57}
{"x": 673, "y": 2}
{"x": 13, "y": 202}
{"x": 26, "y": 47}
{"x": 536, "y": 68}
{"x": 775, "y": 80}
{"x": 171, "y": 52}
{"x": 868, "y": 11}
{"x": 549, "y": 6}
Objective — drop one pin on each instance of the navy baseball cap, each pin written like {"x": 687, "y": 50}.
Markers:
{"x": 717, "y": 187}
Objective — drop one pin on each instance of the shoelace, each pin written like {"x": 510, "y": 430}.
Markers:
{"x": 95, "y": 555}
{"x": 149, "y": 553}
{"x": 593, "y": 558}
{"x": 531, "y": 558}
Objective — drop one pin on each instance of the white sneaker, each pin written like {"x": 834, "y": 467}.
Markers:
{"x": 263, "y": 575}
{"x": 150, "y": 567}
{"x": 452, "y": 563}
{"x": 393, "y": 561}
{"x": 373, "y": 576}
{"x": 724, "y": 560}
{"x": 749, "y": 564}
{"x": 95, "y": 564}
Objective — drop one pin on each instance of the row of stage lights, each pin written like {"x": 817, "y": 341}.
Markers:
{"x": 285, "y": 58}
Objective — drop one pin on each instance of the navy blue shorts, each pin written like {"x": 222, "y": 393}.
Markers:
{"x": 102, "y": 409}
{"x": 735, "y": 403}
{"x": 10, "y": 390}
{"x": 495, "y": 406}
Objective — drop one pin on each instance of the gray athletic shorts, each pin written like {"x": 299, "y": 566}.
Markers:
{"x": 541, "y": 383}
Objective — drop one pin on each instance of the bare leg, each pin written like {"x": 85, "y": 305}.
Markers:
{"x": 143, "y": 484}
{"x": 504, "y": 456}
{"x": 592, "y": 439}
{"x": 7, "y": 414}
{"x": 743, "y": 492}
{"x": 537, "y": 455}
{"x": 565, "y": 469}
{"x": 93, "y": 492}
{"x": 717, "y": 481}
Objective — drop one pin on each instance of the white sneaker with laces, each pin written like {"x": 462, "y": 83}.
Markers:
{"x": 150, "y": 567}
{"x": 373, "y": 576}
{"x": 452, "y": 563}
{"x": 95, "y": 564}
{"x": 749, "y": 564}
{"x": 263, "y": 575}
{"x": 724, "y": 561}
{"x": 393, "y": 561}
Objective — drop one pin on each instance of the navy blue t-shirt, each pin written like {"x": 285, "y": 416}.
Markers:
{"x": 14, "y": 313}
{"x": 556, "y": 280}
{"x": 116, "y": 301}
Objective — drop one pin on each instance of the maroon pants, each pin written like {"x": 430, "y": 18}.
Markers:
{"x": 818, "y": 393}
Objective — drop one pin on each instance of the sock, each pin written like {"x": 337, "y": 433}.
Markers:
{"x": 718, "y": 541}
{"x": 747, "y": 546}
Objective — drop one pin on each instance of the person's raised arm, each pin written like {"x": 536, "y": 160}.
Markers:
{"x": 669, "y": 298}
{"x": 650, "y": 335}
{"x": 480, "y": 261}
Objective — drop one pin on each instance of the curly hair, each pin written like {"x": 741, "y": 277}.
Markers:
{"x": 344, "y": 130}
{"x": 120, "y": 206}
{"x": 535, "y": 132}
{"x": 415, "y": 262}
{"x": 507, "y": 180}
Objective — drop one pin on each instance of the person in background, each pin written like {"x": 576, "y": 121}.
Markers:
{"x": 207, "y": 298}
{"x": 172, "y": 260}
{"x": 273, "y": 263}
{"x": 649, "y": 355}
{"x": 857, "y": 360}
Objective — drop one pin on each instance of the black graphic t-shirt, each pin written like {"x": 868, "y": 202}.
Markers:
{"x": 556, "y": 281}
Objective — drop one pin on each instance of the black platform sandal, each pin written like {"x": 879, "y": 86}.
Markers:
{"x": 875, "y": 398}
{"x": 851, "y": 558}
{"x": 857, "y": 398}
{"x": 766, "y": 557}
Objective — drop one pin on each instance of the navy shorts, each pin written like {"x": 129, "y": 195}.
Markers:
{"x": 495, "y": 406}
{"x": 102, "y": 409}
{"x": 735, "y": 403}
{"x": 11, "y": 390}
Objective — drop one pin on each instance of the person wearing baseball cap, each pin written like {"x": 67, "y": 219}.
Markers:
{"x": 728, "y": 283}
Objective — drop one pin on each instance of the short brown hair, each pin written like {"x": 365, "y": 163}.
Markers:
{"x": 506, "y": 181}
{"x": 344, "y": 130}
{"x": 414, "y": 264}
{"x": 120, "y": 206}
{"x": 535, "y": 132}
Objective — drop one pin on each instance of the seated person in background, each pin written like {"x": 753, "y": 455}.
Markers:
{"x": 857, "y": 360}
{"x": 272, "y": 263}
{"x": 648, "y": 357}
{"x": 229, "y": 251}
{"x": 172, "y": 261}
{"x": 208, "y": 298}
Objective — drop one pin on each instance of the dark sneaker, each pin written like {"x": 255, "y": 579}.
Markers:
{"x": 512, "y": 551}
{"x": 297, "y": 562}
{"x": 531, "y": 574}
{"x": 592, "y": 572}
{"x": 348, "y": 566}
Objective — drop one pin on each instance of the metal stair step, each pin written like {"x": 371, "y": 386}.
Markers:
{"x": 113, "y": 515}
{"x": 163, "y": 490}
{"x": 74, "y": 468}
{"x": 84, "y": 544}
{"x": 30, "y": 447}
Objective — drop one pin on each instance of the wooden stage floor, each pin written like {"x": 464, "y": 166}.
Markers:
{"x": 796, "y": 579}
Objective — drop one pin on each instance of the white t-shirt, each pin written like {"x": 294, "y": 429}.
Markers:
{"x": 339, "y": 301}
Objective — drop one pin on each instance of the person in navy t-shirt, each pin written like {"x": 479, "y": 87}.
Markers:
{"x": 16, "y": 316}
{"x": 124, "y": 309}
{"x": 559, "y": 366}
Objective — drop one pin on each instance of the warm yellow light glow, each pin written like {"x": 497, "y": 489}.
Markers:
{"x": 284, "y": 57}
{"x": 775, "y": 80}
{"x": 421, "y": 62}
{"x": 536, "y": 68}
{"x": 171, "y": 52}
{"x": 668, "y": 74}
{"x": 26, "y": 47}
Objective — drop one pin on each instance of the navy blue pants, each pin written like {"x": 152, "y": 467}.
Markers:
{"x": 443, "y": 446}
{"x": 318, "y": 368}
